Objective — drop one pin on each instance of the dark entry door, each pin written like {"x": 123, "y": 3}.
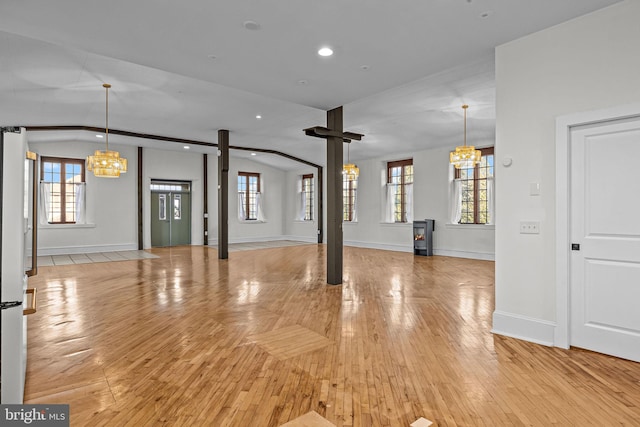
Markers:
{"x": 170, "y": 213}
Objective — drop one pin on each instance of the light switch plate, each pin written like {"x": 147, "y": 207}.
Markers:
{"x": 529, "y": 227}
{"x": 534, "y": 188}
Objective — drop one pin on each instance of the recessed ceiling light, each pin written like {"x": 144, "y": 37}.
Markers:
{"x": 303, "y": 82}
{"x": 258, "y": 117}
{"x": 253, "y": 154}
{"x": 364, "y": 67}
{"x": 325, "y": 51}
{"x": 99, "y": 136}
{"x": 485, "y": 14}
{"x": 186, "y": 147}
{"x": 211, "y": 56}
{"x": 251, "y": 25}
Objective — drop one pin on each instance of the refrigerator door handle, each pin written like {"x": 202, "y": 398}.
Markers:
{"x": 4, "y": 305}
{"x": 33, "y": 308}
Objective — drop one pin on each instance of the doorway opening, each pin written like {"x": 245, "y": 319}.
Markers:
{"x": 170, "y": 213}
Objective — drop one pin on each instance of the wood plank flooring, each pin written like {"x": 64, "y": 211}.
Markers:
{"x": 261, "y": 340}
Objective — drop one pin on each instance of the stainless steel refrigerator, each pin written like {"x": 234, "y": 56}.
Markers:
{"x": 18, "y": 233}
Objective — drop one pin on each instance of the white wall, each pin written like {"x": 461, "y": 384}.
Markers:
{"x": 175, "y": 165}
{"x": 272, "y": 187}
{"x": 431, "y": 200}
{"x": 113, "y": 228}
{"x": 586, "y": 64}
{"x": 112, "y": 214}
{"x": 111, "y": 206}
{"x": 294, "y": 227}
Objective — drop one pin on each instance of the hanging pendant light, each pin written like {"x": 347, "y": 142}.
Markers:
{"x": 106, "y": 164}
{"x": 465, "y": 156}
{"x": 350, "y": 170}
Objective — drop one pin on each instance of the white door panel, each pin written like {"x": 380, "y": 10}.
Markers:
{"x": 605, "y": 272}
{"x": 599, "y": 287}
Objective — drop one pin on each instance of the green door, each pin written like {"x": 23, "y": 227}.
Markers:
{"x": 180, "y": 219}
{"x": 160, "y": 227}
{"x": 170, "y": 214}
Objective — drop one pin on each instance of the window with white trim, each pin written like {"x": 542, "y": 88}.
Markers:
{"x": 400, "y": 191}
{"x": 248, "y": 195}
{"x": 62, "y": 188}
{"x": 473, "y": 191}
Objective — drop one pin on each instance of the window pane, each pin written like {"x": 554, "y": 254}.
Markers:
{"x": 177, "y": 206}
{"x": 307, "y": 188}
{"x": 408, "y": 172}
{"x": 348, "y": 198}
{"x": 162, "y": 207}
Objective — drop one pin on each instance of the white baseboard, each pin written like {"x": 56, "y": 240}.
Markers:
{"x": 384, "y": 246}
{"x": 359, "y": 244}
{"x": 308, "y": 239}
{"x": 214, "y": 241}
{"x": 465, "y": 254}
{"x": 524, "y": 328}
{"x": 86, "y": 249}
{"x": 409, "y": 248}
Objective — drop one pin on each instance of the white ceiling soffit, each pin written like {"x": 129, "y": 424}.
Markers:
{"x": 401, "y": 69}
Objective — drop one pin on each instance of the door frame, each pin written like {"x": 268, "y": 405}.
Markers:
{"x": 564, "y": 127}
{"x": 171, "y": 181}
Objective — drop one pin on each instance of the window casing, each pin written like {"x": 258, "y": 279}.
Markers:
{"x": 248, "y": 189}
{"x": 474, "y": 190}
{"x": 400, "y": 174}
{"x": 349, "y": 189}
{"x": 307, "y": 189}
{"x": 62, "y": 175}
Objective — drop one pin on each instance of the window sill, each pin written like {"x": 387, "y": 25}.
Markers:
{"x": 396, "y": 224}
{"x": 470, "y": 226}
{"x": 251, "y": 221}
{"x": 303, "y": 221}
{"x": 350, "y": 222}
{"x": 65, "y": 226}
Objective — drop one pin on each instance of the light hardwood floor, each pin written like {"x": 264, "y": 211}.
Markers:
{"x": 260, "y": 339}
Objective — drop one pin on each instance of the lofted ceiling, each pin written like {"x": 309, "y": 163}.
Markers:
{"x": 401, "y": 69}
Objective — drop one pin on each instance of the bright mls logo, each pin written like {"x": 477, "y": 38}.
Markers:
{"x": 34, "y": 415}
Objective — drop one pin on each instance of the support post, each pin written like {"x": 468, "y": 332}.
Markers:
{"x": 320, "y": 205}
{"x": 223, "y": 194}
{"x": 334, "y": 197}
{"x": 140, "y": 200}
{"x": 205, "y": 202}
{"x": 335, "y": 136}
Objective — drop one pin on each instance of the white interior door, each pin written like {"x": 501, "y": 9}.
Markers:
{"x": 605, "y": 222}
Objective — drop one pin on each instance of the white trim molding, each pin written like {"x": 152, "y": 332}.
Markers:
{"x": 306, "y": 239}
{"x": 383, "y": 246}
{"x": 409, "y": 248}
{"x": 563, "y": 171}
{"x": 523, "y": 328}
{"x": 564, "y": 125}
{"x": 483, "y": 256}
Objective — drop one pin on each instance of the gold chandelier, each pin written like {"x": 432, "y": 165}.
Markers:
{"x": 350, "y": 170}
{"x": 466, "y": 156}
{"x": 106, "y": 164}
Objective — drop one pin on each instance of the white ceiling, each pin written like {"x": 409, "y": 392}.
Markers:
{"x": 401, "y": 68}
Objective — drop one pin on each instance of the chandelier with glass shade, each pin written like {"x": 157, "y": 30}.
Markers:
{"x": 465, "y": 156}
{"x": 106, "y": 163}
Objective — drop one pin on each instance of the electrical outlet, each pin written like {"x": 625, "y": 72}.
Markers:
{"x": 529, "y": 227}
